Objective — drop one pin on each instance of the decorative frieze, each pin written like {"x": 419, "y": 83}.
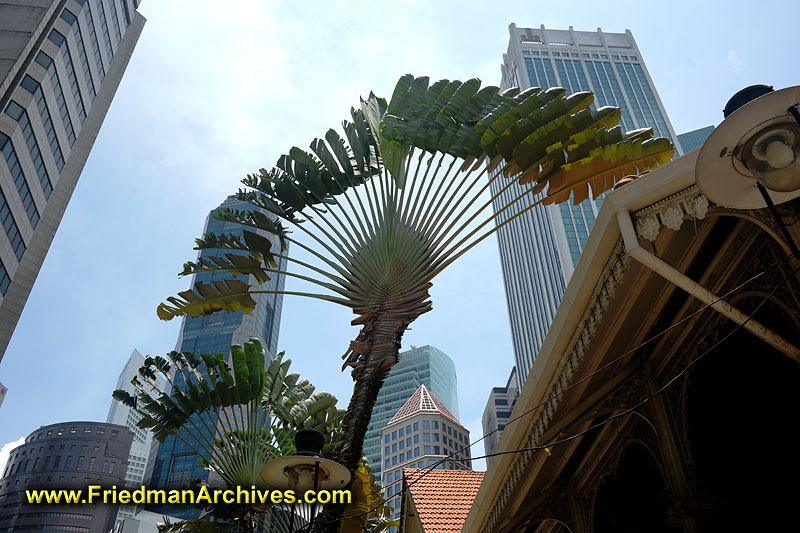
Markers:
{"x": 604, "y": 290}
{"x": 671, "y": 212}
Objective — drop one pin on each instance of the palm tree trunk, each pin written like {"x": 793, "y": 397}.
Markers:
{"x": 378, "y": 344}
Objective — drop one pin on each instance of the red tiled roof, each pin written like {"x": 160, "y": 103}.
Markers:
{"x": 422, "y": 400}
{"x": 442, "y": 498}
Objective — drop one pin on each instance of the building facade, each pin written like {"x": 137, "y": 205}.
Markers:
{"x": 638, "y": 406}
{"x": 423, "y": 365}
{"x": 423, "y": 433}
{"x": 497, "y": 412}
{"x": 175, "y": 464}
{"x": 71, "y": 455}
{"x": 60, "y": 65}
{"x": 139, "y": 465}
{"x": 540, "y": 248}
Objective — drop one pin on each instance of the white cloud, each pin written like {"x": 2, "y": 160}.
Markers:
{"x": 6, "y": 449}
{"x": 735, "y": 60}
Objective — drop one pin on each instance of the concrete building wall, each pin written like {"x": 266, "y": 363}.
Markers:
{"x": 54, "y": 95}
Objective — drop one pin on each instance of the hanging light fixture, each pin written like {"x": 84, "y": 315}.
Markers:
{"x": 752, "y": 160}
{"x": 756, "y": 147}
{"x": 305, "y": 470}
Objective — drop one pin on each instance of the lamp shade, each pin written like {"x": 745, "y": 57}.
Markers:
{"x": 759, "y": 141}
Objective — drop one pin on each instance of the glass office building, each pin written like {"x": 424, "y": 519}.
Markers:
{"x": 60, "y": 66}
{"x": 175, "y": 463}
{"x": 540, "y": 248}
{"x": 692, "y": 140}
{"x": 425, "y": 365}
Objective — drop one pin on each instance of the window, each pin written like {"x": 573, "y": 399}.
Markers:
{"x": 435, "y": 437}
{"x": 435, "y": 450}
{"x": 81, "y": 460}
{"x": 450, "y": 430}
{"x": 402, "y": 457}
{"x": 408, "y": 429}
{"x": 57, "y": 461}
{"x": 408, "y": 442}
{"x": 426, "y": 437}
{"x": 416, "y": 438}
{"x": 68, "y": 462}
{"x": 91, "y": 463}
{"x": 6, "y": 218}
{"x": 394, "y": 460}
{"x": 5, "y": 279}
{"x": 394, "y": 447}
{"x": 387, "y": 463}
{"x": 416, "y": 426}
{"x": 427, "y": 450}
{"x": 386, "y": 438}
{"x": 401, "y": 432}
{"x": 95, "y": 44}
{"x": 421, "y": 464}
{"x": 387, "y": 450}
{"x": 435, "y": 424}
{"x": 389, "y": 477}
{"x": 402, "y": 444}
{"x": 46, "y": 463}
{"x": 416, "y": 451}
{"x": 72, "y": 20}
{"x": 426, "y": 424}
{"x": 394, "y": 435}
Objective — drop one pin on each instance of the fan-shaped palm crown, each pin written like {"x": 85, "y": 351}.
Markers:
{"x": 403, "y": 194}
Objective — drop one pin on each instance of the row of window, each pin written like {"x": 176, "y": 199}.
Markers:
{"x": 21, "y": 468}
{"x": 574, "y": 54}
{"x": 48, "y": 528}
{"x": 34, "y": 88}
{"x": 74, "y": 516}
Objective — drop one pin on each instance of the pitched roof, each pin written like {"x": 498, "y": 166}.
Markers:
{"x": 442, "y": 498}
{"x": 422, "y": 400}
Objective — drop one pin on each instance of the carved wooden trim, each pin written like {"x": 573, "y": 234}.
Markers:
{"x": 602, "y": 294}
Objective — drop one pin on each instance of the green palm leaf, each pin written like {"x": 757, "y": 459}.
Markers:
{"x": 382, "y": 208}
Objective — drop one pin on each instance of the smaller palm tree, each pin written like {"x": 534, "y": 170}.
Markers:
{"x": 236, "y": 417}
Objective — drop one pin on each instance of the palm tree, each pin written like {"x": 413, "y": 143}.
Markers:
{"x": 236, "y": 417}
{"x": 385, "y": 209}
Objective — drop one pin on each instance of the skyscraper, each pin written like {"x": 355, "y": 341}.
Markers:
{"x": 425, "y": 365}
{"x": 540, "y": 248}
{"x": 175, "y": 463}
{"x": 60, "y": 66}
{"x": 497, "y": 412}
{"x": 421, "y": 434}
{"x": 139, "y": 464}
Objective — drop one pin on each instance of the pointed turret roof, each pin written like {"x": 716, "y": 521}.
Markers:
{"x": 421, "y": 401}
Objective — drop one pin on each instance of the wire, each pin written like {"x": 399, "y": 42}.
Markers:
{"x": 738, "y": 327}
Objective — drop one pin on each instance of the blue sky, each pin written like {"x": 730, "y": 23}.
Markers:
{"x": 212, "y": 93}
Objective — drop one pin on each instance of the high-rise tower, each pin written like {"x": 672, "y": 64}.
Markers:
{"x": 175, "y": 463}
{"x": 139, "y": 463}
{"x": 540, "y": 248}
{"x": 425, "y": 365}
{"x": 60, "y": 65}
